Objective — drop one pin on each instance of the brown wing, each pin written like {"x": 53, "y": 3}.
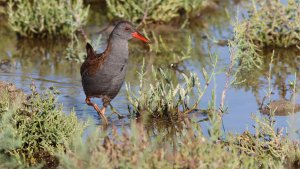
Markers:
{"x": 93, "y": 61}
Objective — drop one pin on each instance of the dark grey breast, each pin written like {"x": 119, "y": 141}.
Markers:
{"x": 103, "y": 77}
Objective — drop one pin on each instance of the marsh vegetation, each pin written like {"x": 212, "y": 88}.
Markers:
{"x": 218, "y": 86}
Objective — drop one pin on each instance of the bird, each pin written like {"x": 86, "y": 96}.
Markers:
{"x": 102, "y": 75}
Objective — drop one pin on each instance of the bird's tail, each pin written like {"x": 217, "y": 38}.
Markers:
{"x": 90, "y": 51}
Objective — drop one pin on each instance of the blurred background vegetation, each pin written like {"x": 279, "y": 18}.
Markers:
{"x": 54, "y": 18}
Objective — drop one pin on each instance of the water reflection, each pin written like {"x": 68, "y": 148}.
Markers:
{"x": 282, "y": 74}
{"x": 165, "y": 128}
{"x": 169, "y": 128}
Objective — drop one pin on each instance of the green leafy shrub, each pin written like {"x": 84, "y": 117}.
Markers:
{"x": 135, "y": 10}
{"x": 157, "y": 10}
{"x": 41, "y": 129}
{"x": 136, "y": 149}
{"x": 268, "y": 143}
{"x": 44, "y": 18}
{"x": 270, "y": 24}
{"x": 10, "y": 98}
{"x": 166, "y": 98}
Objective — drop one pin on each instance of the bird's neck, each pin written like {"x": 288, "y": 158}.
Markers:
{"x": 118, "y": 48}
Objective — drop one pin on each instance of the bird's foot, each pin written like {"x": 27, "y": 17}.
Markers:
{"x": 100, "y": 112}
{"x": 120, "y": 116}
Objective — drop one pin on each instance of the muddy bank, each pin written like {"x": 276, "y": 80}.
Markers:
{"x": 10, "y": 96}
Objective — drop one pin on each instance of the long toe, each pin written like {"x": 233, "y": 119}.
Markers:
{"x": 102, "y": 115}
{"x": 120, "y": 116}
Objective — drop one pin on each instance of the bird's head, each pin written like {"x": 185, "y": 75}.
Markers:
{"x": 125, "y": 30}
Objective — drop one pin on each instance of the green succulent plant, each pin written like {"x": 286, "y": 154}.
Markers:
{"x": 44, "y": 18}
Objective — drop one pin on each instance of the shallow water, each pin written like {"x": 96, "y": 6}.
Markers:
{"x": 43, "y": 62}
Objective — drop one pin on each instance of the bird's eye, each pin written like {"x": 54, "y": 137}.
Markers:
{"x": 127, "y": 29}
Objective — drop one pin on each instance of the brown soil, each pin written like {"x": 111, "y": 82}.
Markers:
{"x": 281, "y": 107}
{"x": 13, "y": 93}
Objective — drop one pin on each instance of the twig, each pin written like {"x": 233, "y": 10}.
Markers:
{"x": 104, "y": 28}
{"x": 80, "y": 28}
{"x": 145, "y": 14}
{"x": 203, "y": 90}
{"x": 228, "y": 75}
{"x": 84, "y": 34}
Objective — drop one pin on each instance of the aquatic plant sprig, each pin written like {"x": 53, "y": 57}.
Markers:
{"x": 266, "y": 142}
{"x": 161, "y": 96}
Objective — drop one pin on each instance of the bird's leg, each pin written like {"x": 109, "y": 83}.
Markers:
{"x": 120, "y": 116}
{"x": 101, "y": 112}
